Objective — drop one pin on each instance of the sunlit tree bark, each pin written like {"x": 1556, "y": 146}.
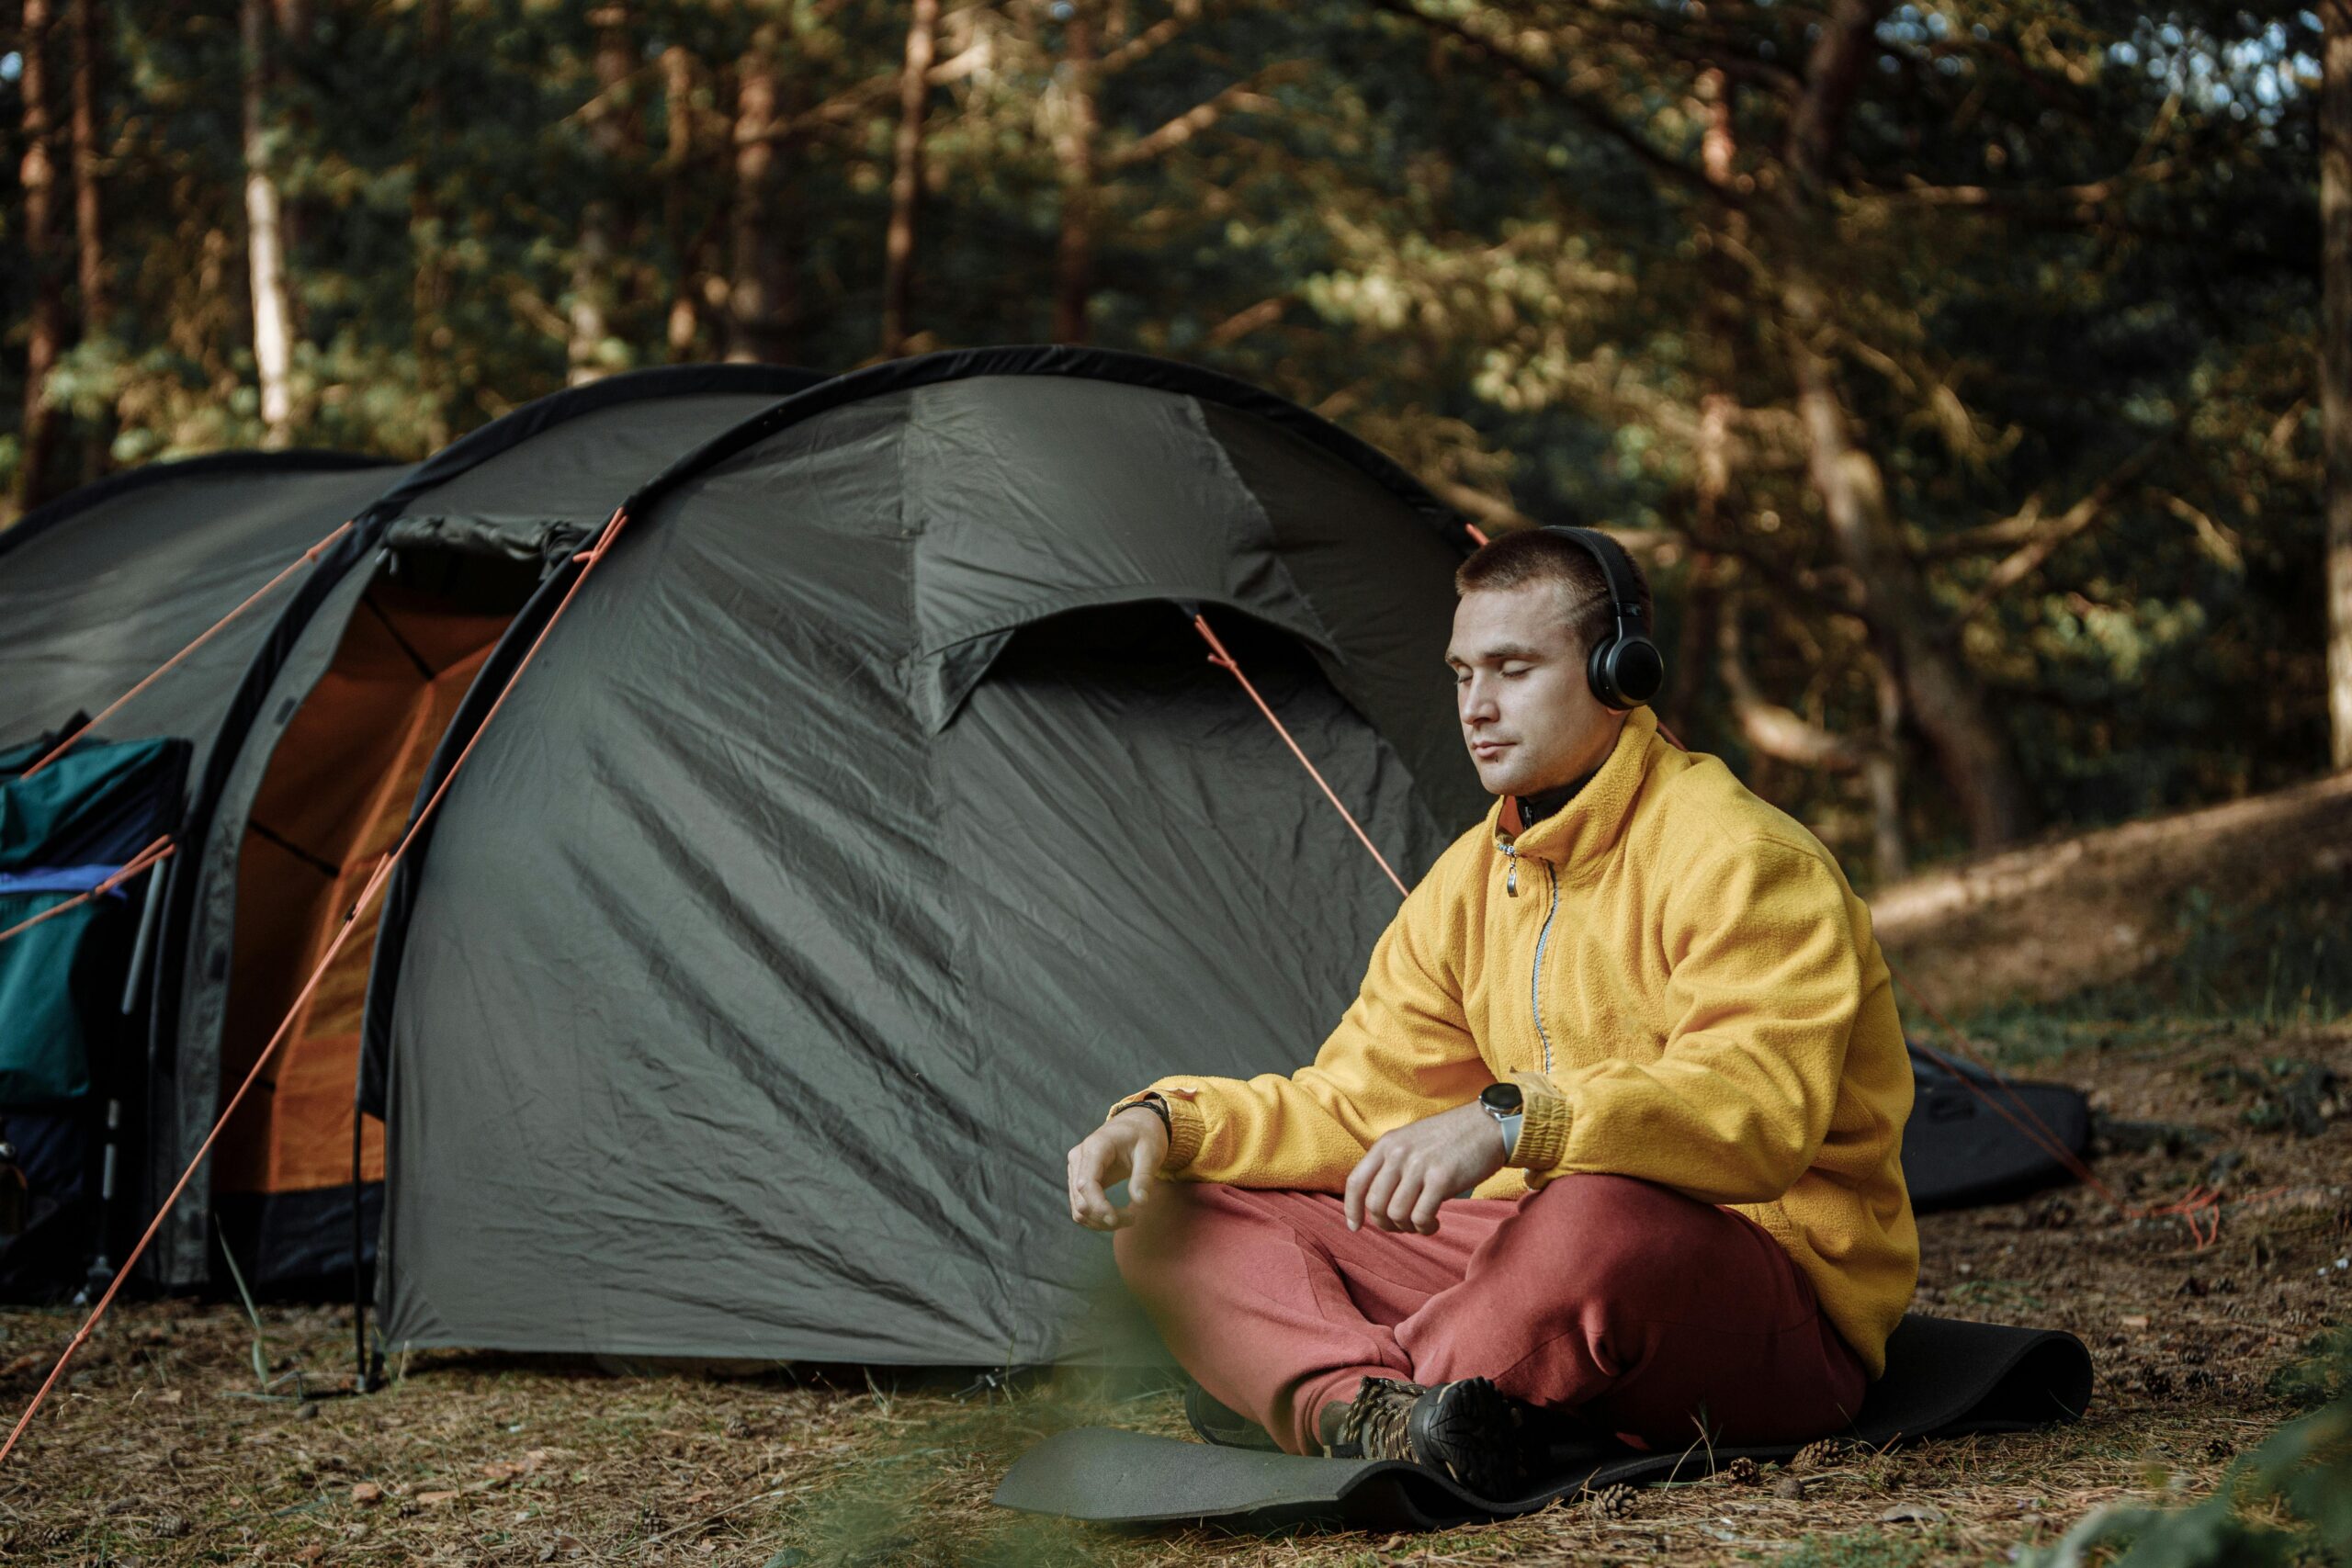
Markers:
{"x": 906, "y": 177}
{"x": 1973, "y": 753}
{"x": 763, "y": 302}
{"x": 595, "y": 282}
{"x": 2335, "y": 361}
{"x": 430, "y": 335}
{"x": 37, "y": 477}
{"x": 1075, "y": 129}
{"x": 266, "y": 237}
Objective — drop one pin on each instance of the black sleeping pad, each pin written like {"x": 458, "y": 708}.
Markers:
{"x": 1944, "y": 1379}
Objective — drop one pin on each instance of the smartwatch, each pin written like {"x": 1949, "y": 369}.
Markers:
{"x": 1508, "y": 1106}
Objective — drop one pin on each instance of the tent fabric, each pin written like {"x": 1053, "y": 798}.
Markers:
{"x": 872, "y": 821}
{"x": 334, "y": 715}
{"x": 1944, "y": 1379}
{"x": 103, "y": 585}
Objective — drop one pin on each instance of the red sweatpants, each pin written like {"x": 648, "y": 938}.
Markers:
{"x": 1651, "y": 1315}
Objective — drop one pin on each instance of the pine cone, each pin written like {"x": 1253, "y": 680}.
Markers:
{"x": 1616, "y": 1502}
{"x": 1824, "y": 1455}
{"x": 1743, "y": 1472}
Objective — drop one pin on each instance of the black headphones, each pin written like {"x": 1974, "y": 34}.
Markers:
{"x": 1626, "y": 668}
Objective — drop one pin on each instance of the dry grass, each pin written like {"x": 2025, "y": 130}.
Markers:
{"x": 161, "y": 1452}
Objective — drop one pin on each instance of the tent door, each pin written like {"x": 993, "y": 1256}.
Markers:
{"x": 336, "y": 798}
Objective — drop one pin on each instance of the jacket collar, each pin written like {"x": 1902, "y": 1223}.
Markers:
{"x": 1584, "y": 830}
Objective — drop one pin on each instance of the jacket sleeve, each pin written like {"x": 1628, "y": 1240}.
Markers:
{"x": 1402, "y": 1050}
{"x": 1765, "y": 981}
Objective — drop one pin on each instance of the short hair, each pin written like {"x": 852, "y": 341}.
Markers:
{"x": 1538, "y": 555}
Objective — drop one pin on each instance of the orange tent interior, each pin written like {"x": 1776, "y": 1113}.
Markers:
{"x": 335, "y": 800}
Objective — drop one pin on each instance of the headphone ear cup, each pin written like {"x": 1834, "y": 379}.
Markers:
{"x": 1626, "y": 671}
{"x": 1597, "y": 674}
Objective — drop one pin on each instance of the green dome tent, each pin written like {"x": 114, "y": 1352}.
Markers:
{"x": 100, "y": 586}
{"x": 97, "y": 590}
{"x": 870, "y": 822}
{"x": 332, "y": 724}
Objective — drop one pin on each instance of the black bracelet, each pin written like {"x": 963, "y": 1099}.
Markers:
{"x": 1159, "y": 1108}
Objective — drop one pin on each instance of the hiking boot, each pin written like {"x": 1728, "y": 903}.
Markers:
{"x": 1467, "y": 1431}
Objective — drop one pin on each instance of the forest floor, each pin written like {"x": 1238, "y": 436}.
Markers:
{"x": 182, "y": 1438}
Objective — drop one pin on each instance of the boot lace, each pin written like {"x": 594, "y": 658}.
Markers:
{"x": 1374, "y": 1422}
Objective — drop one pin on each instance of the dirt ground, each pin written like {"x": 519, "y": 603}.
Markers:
{"x": 2215, "y": 1035}
{"x": 166, "y": 1446}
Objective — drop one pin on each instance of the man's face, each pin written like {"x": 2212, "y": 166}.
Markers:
{"x": 1528, "y": 716}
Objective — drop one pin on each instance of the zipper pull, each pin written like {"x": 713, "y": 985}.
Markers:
{"x": 1511, "y": 877}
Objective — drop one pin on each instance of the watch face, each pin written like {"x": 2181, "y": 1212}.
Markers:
{"x": 1504, "y": 1099}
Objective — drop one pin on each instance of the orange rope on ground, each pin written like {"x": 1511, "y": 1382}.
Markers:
{"x": 206, "y": 636}
{"x": 2193, "y": 1207}
{"x": 375, "y": 884}
{"x": 152, "y": 854}
{"x": 1220, "y": 657}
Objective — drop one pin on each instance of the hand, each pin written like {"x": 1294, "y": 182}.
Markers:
{"x": 1403, "y": 1178}
{"x": 1130, "y": 1145}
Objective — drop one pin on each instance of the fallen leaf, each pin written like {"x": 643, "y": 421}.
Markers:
{"x": 367, "y": 1492}
{"x": 1912, "y": 1514}
{"x": 435, "y": 1499}
{"x": 169, "y": 1396}
{"x": 2136, "y": 1320}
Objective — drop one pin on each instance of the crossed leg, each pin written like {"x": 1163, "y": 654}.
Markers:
{"x": 1653, "y": 1315}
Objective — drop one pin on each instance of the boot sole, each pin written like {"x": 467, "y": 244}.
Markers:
{"x": 1474, "y": 1434}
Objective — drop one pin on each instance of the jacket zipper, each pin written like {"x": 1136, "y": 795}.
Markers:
{"x": 1511, "y": 877}
{"x": 1536, "y": 976}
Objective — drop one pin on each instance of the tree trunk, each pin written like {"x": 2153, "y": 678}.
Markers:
{"x": 1074, "y": 147}
{"x": 1724, "y": 308}
{"x": 763, "y": 305}
{"x": 37, "y": 476}
{"x": 265, "y": 238}
{"x": 91, "y": 270}
{"x": 2335, "y": 361}
{"x": 429, "y": 335}
{"x": 906, "y": 178}
{"x": 682, "y": 324}
{"x": 1972, "y": 751}
{"x": 595, "y": 293}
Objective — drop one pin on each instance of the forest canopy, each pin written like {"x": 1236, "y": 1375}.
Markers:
{"x": 1952, "y": 368}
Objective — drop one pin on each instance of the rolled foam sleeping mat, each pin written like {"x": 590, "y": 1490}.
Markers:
{"x": 1944, "y": 1379}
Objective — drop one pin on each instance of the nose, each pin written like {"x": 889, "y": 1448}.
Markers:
{"x": 1476, "y": 698}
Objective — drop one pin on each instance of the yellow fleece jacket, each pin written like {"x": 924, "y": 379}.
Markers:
{"x": 1685, "y": 987}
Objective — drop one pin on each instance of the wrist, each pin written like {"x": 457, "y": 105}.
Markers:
{"x": 1156, "y": 1109}
{"x": 1504, "y": 1106}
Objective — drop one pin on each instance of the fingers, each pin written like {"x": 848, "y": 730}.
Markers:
{"x": 1380, "y": 1196}
{"x": 1423, "y": 1214}
{"x": 1358, "y": 1179}
{"x": 1140, "y": 1177}
{"x": 1088, "y": 1204}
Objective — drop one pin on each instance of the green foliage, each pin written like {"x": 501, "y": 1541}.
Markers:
{"x": 2289, "y": 1501}
{"x": 2071, "y": 251}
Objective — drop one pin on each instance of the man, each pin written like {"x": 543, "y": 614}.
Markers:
{"x": 1612, "y": 1128}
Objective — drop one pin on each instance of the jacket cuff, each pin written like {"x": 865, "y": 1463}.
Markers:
{"x": 1543, "y": 1130}
{"x": 1186, "y": 1126}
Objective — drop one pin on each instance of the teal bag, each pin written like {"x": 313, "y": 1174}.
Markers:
{"x": 62, "y": 833}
